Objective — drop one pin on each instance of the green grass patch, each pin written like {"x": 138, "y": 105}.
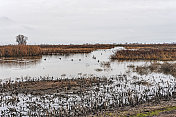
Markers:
{"x": 154, "y": 112}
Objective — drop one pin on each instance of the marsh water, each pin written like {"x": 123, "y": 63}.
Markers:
{"x": 123, "y": 87}
{"x": 67, "y": 65}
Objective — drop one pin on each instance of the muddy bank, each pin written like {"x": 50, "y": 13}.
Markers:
{"x": 47, "y": 86}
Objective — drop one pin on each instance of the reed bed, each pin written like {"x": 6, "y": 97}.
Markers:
{"x": 38, "y": 50}
{"x": 94, "y": 46}
{"x": 19, "y": 51}
{"x": 149, "y": 46}
{"x": 50, "y": 51}
{"x": 146, "y": 54}
{"x": 57, "y": 49}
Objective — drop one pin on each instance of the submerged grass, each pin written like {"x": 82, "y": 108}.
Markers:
{"x": 165, "y": 68}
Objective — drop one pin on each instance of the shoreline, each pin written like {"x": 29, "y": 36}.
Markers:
{"x": 48, "y": 91}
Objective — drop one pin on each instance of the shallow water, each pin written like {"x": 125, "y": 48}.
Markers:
{"x": 123, "y": 91}
{"x": 124, "y": 86}
{"x": 66, "y": 65}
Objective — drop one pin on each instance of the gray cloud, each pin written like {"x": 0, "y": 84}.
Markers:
{"x": 92, "y": 21}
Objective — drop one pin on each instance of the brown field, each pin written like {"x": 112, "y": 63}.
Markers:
{"x": 162, "y": 52}
{"x": 34, "y": 50}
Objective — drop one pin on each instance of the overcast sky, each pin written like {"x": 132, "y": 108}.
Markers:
{"x": 88, "y": 21}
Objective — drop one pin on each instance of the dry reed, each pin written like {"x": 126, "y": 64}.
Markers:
{"x": 146, "y": 54}
{"x": 19, "y": 51}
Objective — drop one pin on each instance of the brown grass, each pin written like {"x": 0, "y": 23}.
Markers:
{"x": 162, "y": 54}
{"x": 165, "y": 68}
{"x": 19, "y": 51}
{"x": 94, "y": 46}
{"x": 54, "y": 49}
{"x": 51, "y": 86}
{"x": 149, "y": 46}
{"x": 34, "y": 50}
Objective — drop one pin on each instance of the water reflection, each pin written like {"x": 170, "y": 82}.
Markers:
{"x": 121, "y": 86}
{"x": 24, "y": 61}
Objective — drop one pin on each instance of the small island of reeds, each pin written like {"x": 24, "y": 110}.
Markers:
{"x": 161, "y": 52}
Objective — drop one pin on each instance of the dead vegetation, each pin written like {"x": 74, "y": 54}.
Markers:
{"x": 39, "y": 87}
{"x": 47, "y": 96}
{"x": 94, "y": 46}
{"x": 55, "y": 49}
{"x": 19, "y": 51}
{"x": 161, "y": 52}
{"x": 149, "y": 46}
{"x": 142, "y": 82}
{"x": 165, "y": 68}
{"x": 38, "y": 50}
{"x": 51, "y": 51}
{"x": 105, "y": 64}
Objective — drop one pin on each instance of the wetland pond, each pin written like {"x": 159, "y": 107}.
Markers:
{"x": 84, "y": 84}
{"x": 70, "y": 65}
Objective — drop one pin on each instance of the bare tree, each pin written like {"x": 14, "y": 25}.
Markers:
{"x": 21, "y": 39}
